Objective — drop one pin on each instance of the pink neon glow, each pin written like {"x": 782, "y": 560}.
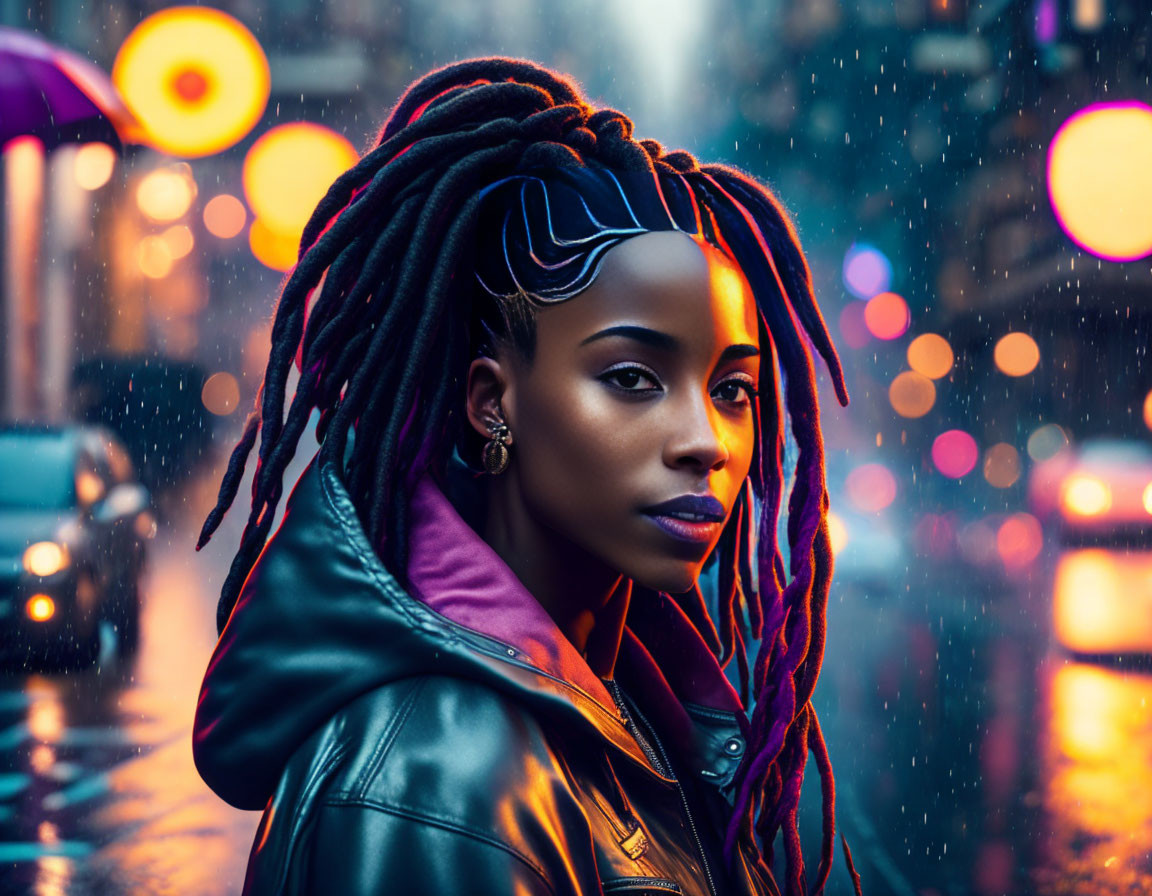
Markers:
{"x": 1045, "y": 22}
{"x": 955, "y": 453}
{"x": 871, "y": 487}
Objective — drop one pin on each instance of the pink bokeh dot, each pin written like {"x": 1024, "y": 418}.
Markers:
{"x": 955, "y": 453}
{"x": 871, "y": 487}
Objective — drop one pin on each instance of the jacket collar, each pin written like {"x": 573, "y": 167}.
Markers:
{"x": 663, "y": 661}
{"x": 454, "y": 572}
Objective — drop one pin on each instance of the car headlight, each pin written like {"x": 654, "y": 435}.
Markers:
{"x": 1085, "y": 495}
{"x": 46, "y": 558}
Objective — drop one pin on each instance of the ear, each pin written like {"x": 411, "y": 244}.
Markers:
{"x": 489, "y": 390}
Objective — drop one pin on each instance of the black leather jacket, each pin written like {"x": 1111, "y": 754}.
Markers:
{"x": 394, "y": 750}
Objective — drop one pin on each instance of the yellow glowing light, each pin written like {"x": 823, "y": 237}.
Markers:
{"x": 221, "y": 394}
{"x": 912, "y": 394}
{"x": 1084, "y": 495}
{"x": 1100, "y": 182}
{"x": 1103, "y": 601}
{"x": 225, "y": 216}
{"x": 40, "y": 608}
{"x": 45, "y": 558}
{"x": 166, "y": 194}
{"x": 1017, "y": 354}
{"x": 154, "y": 257}
{"x": 178, "y": 239}
{"x": 46, "y": 716}
{"x": 1095, "y": 762}
{"x": 1085, "y": 699}
{"x": 837, "y": 533}
{"x": 272, "y": 248}
{"x": 1147, "y": 497}
{"x": 288, "y": 171}
{"x": 196, "y": 79}
{"x": 1148, "y": 410}
{"x": 1088, "y": 15}
{"x": 1002, "y": 465}
{"x": 90, "y": 487}
{"x": 42, "y": 758}
{"x": 93, "y": 165}
{"x": 930, "y": 355}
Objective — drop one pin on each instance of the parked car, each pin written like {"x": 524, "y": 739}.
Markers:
{"x": 73, "y": 526}
{"x": 1099, "y": 492}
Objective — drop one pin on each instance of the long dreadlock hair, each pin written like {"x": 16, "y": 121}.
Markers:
{"x": 385, "y": 349}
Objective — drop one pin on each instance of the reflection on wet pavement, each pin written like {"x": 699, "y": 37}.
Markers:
{"x": 974, "y": 754}
{"x": 1097, "y": 773}
{"x": 98, "y": 792}
{"x": 1103, "y": 601}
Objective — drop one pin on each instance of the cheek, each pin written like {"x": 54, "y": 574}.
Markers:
{"x": 577, "y": 446}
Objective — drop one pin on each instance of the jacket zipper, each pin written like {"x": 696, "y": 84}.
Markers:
{"x": 665, "y": 769}
{"x": 618, "y": 696}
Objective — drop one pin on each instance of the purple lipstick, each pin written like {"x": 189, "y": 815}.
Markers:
{"x": 692, "y": 518}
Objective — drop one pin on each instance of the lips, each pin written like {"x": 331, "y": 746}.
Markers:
{"x": 690, "y": 508}
{"x": 690, "y": 518}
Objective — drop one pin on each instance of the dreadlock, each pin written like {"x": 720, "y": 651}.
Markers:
{"x": 385, "y": 351}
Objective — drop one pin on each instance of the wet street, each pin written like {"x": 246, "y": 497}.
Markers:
{"x": 972, "y": 754}
{"x": 98, "y": 791}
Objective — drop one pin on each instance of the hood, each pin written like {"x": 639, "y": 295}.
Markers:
{"x": 320, "y": 621}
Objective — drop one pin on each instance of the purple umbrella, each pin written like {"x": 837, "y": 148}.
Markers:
{"x": 59, "y": 97}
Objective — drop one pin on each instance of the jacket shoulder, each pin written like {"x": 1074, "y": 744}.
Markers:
{"x": 428, "y": 784}
{"x": 446, "y": 748}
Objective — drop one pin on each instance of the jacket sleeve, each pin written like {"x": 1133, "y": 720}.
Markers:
{"x": 364, "y": 849}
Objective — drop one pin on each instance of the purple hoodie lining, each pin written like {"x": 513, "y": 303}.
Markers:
{"x": 455, "y": 573}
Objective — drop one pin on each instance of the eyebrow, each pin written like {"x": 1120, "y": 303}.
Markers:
{"x": 666, "y": 342}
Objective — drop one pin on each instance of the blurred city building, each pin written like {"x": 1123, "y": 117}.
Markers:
{"x": 919, "y": 128}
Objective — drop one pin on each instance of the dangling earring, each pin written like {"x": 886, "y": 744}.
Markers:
{"x": 496, "y": 449}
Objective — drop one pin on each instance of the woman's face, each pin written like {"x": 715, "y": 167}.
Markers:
{"x": 640, "y": 393}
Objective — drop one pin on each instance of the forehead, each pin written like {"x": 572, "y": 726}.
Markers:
{"x": 666, "y": 281}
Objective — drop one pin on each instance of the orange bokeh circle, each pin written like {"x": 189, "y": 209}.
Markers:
{"x": 887, "y": 316}
{"x": 912, "y": 394}
{"x": 195, "y": 78}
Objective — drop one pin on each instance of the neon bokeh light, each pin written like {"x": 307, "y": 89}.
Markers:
{"x": 1100, "y": 179}
{"x": 196, "y": 79}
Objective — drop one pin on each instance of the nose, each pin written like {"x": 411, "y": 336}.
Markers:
{"x": 696, "y": 436}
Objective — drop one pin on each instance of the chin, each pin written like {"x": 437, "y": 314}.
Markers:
{"x": 675, "y": 581}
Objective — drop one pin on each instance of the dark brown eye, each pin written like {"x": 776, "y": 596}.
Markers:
{"x": 627, "y": 379}
{"x": 739, "y": 390}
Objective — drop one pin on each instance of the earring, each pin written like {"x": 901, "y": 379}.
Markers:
{"x": 496, "y": 449}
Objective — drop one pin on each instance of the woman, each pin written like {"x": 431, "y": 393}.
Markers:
{"x": 476, "y": 656}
